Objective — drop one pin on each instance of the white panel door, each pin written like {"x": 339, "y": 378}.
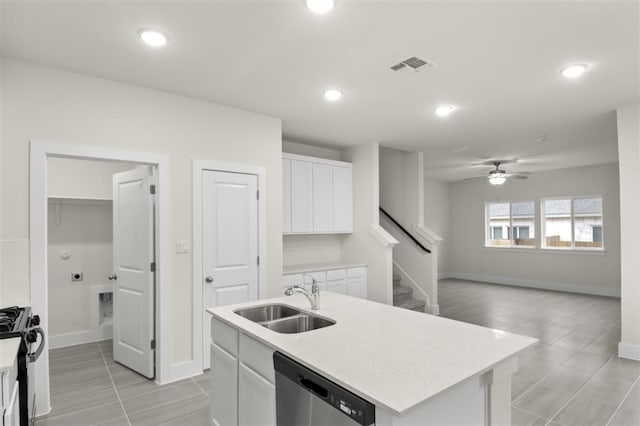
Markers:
{"x": 342, "y": 199}
{"x": 322, "y": 198}
{"x": 133, "y": 253}
{"x": 301, "y": 197}
{"x": 229, "y": 242}
{"x": 286, "y": 196}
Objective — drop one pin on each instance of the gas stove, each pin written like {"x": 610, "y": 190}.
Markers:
{"x": 19, "y": 322}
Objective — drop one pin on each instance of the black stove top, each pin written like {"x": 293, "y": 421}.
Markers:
{"x": 14, "y": 321}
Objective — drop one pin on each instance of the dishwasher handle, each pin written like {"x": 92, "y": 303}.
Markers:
{"x": 312, "y": 386}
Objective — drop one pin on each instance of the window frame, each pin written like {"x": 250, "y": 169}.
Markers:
{"x": 573, "y": 247}
{"x": 488, "y": 229}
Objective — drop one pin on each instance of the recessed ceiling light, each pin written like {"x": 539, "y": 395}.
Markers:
{"x": 444, "y": 110}
{"x": 573, "y": 71}
{"x": 320, "y": 6}
{"x": 332, "y": 95}
{"x": 153, "y": 38}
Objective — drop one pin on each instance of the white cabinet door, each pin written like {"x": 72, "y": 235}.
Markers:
{"x": 322, "y": 198}
{"x": 301, "y": 197}
{"x": 356, "y": 287}
{"x": 286, "y": 196}
{"x": 11, "y": 415}
{"x": 342, "y": 199}
{"x": 257, "y": 399}
{"x": 224, "y": 387}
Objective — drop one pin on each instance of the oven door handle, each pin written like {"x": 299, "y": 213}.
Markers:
{"x": 33, "y": 356}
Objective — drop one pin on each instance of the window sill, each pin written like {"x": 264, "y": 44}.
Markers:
{"x": 525, "y": 249}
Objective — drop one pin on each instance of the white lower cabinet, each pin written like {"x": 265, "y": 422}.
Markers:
{"x": 243, "y": 388}
{"x": 224, "y": 387}
{"x": 256, "y": 398}
{"x": 351, "y": 281}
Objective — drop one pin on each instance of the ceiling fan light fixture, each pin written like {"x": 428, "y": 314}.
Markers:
{"x": 497, "y": 177}
{"x": 497, "y": 180}
{"x": 320, "y": 6}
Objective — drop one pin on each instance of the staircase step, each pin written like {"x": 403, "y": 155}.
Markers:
{"x": 396, "y": 279}
{"x": 412, "y": 304}
{"x": 401, "y": 290}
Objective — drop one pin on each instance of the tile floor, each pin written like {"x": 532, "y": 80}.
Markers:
{"x": 89, "y": 388}
{"x": 571, "y": 378}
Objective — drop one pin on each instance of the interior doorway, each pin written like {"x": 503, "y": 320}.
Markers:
{"x": 40, "y": 153}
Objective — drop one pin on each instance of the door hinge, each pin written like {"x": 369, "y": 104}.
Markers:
{"x": 258, "y": 260}
{"x": 152, "y": 189}
{"x": 153, "y": 344}
{"x": 153, "y": 266}
{"x": 257, "y": 195}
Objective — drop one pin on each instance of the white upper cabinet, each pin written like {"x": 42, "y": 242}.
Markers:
{"x": 317, "y": 195}
{"x": 342, "y": 199}
{"x": 301, "y": 197}
{"x": 286, "y": 196}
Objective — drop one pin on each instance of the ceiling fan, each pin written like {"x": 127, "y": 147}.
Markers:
{"x": 498, "y": 176}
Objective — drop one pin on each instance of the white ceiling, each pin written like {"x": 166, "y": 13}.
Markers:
{"x": 498, "y": 62}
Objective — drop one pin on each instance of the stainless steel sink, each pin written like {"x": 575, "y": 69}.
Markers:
{"x": 298, "y": 324}
{"x": 267, "y": 312}
{"x": 284, "y": 319}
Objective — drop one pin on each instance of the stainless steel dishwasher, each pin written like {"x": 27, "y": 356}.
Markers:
{"x": 304, "y": 398}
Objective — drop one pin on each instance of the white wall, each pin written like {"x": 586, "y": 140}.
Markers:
{"x": 82, "y": 178}
{"x": 629, "y": 157}
{"x": 308, "y": 249}
{"x": 369, "y": 243}
{"x": 401, "y": 186}
{"x": 596, "y": 273}
{"x": 84, "y": 229}
{"x": 436, "y": 217}
{"x": 43, "y": 103}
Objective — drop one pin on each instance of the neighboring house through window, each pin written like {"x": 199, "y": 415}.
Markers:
{"x": 510, "y": 224}
{"x": 572, "y": 223}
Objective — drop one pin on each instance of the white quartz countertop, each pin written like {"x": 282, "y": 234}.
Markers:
{"x": 312, "y": 267}
{"x": 8, "y": 353}
{"x": 392, "y": 357}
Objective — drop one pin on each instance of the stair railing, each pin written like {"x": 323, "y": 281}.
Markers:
{"x": 404, "y": 231}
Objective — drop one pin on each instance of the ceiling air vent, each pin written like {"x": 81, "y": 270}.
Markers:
{"x": 413, "y": 63}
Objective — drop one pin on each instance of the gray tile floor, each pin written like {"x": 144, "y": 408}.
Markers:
{"x": 571, "y": 378}
{"x": 89, "y": 388}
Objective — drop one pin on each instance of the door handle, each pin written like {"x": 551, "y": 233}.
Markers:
{"x": 112, "y": 277}
{"x": 209, "y": 279}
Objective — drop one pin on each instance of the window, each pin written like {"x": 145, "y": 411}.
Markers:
{"x": 510, "y": 224}
{"x": 573, "y": 223}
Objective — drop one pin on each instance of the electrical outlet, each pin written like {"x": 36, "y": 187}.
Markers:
{"x": 76, "y": 276}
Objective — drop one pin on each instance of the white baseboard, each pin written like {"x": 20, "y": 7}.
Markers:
{"x": 182, "y": 370}
{"x": 546, "y": 285}
{"x": 444, "y": 275}
{"x": 79, "y": 337}
{"x": 629, "y": 351}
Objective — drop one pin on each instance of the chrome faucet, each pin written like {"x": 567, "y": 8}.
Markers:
{"x": 313, "y": 296}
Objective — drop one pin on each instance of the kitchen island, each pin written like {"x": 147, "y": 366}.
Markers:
{"x": 415, "y": 368}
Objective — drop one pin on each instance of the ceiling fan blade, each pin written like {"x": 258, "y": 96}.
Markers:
{"x": 514, "y": 176}
{"x": 475, "y": 178}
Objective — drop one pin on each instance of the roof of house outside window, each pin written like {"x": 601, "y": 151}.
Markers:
{"x": 522, "y": 209}
{"x": 581, "y": 206}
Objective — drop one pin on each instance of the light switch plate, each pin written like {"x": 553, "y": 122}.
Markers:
{"x": 182, "y": 247}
